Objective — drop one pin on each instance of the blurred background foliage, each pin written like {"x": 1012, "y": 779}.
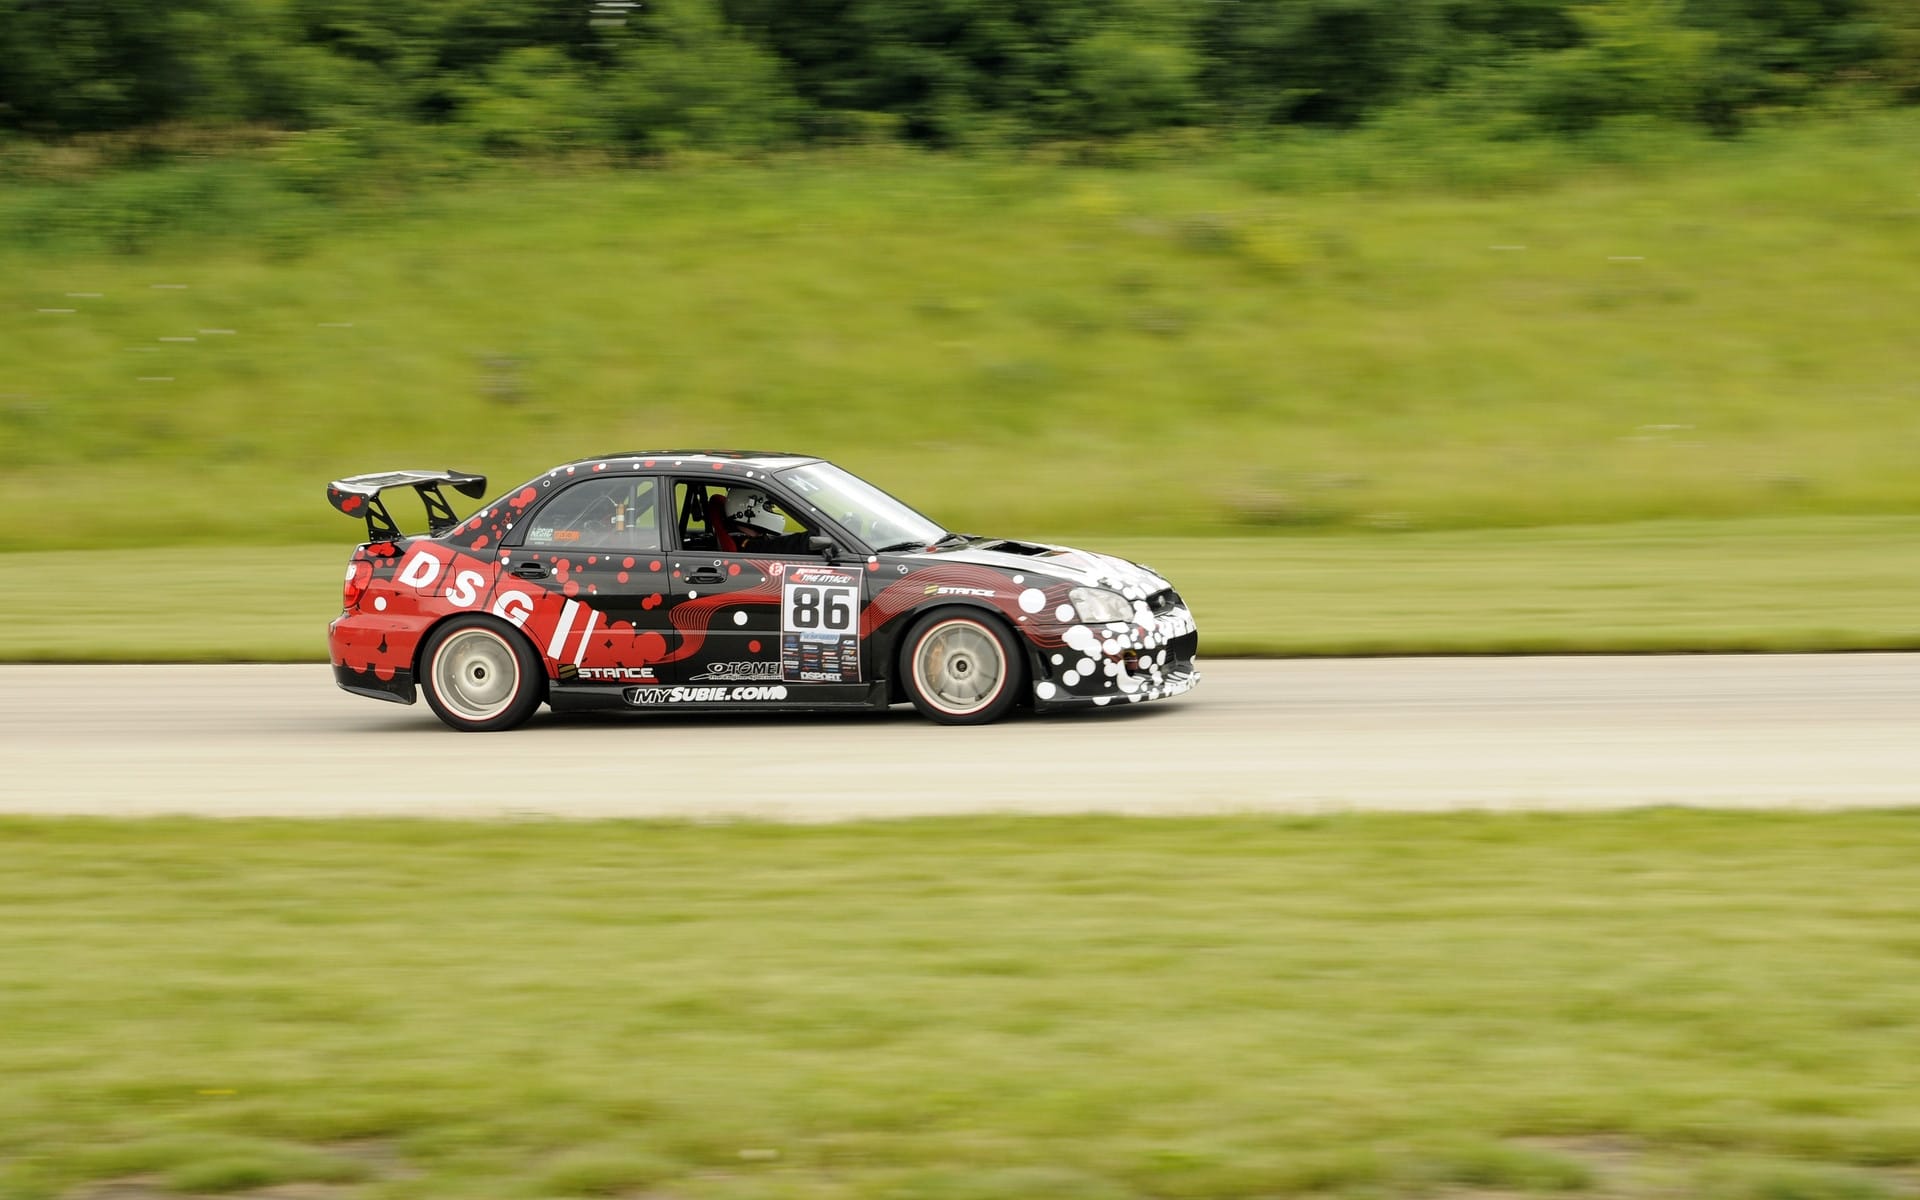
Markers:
{"x": 1245, "y": 265}
{"x": 512, "y": 76}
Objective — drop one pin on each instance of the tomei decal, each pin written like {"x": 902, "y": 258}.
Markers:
{"x": 819, "y": 626}
{"x": 703, "y": 695}
{"x": 740, "y": 670}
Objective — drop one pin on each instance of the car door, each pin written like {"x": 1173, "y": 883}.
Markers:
{"x": 780, "y": 618}
{"x": 598, "y": 546}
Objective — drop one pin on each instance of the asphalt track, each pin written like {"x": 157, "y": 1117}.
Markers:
{"x": 1298, "y": 736}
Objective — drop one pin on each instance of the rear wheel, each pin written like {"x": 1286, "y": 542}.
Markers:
{"x": 480, "y": 676}
{"x": 961, "y": 669}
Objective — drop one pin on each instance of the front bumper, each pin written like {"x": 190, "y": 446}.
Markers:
{"x": 1119, "y": 663}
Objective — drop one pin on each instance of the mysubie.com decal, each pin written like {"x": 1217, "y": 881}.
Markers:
{"x": 704, "y": 695}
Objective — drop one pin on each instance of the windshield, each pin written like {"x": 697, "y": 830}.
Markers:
{"x": 875, "y": 517}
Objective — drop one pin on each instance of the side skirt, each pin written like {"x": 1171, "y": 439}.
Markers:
{"x": 705, "y": 697}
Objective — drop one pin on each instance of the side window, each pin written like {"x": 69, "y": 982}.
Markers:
{"x": 690, "y": 503}
{"x": 702, "y": 525}
{"x": 613, "y": 513}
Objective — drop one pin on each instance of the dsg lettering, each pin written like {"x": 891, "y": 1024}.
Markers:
{"x": 423, "y": 569}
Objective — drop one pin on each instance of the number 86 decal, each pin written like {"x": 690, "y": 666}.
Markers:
{"x": 816, "y": 609}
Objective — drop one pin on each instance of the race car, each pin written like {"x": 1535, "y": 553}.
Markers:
{"x": 732, "y": 580}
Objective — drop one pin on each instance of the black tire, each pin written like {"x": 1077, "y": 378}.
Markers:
{"x": 480, "y": 675}
{"x": 961, "y": 667}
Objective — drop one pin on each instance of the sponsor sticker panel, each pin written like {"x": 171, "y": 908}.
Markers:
{"x": 820, "y": 625}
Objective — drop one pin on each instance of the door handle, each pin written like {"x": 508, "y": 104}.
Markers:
{"x": 531, "y": 570}
{"x": 705, "y": 575}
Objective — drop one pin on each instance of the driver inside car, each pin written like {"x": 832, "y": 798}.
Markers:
{"x": 757, "y": 527}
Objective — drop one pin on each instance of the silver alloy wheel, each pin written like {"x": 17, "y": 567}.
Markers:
{"x": 960, "y": 667}
{"x": 476, "y": 674}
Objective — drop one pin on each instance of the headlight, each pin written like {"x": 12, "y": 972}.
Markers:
{"x": 1097, "y": 605}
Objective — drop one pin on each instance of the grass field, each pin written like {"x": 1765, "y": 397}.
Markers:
{"x": 1706, "y": 328}
{"x": 1646, "y": 1005}
{"x": 1807, "y": 583}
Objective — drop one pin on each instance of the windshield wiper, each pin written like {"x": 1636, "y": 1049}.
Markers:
{"x": 959, "y": 539}
{"x": 915, "y": 544}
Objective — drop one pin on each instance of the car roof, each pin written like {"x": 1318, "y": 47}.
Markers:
{"x": 767, "y": 460}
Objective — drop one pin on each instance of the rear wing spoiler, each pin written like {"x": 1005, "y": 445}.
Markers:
{"x": 359, "y": 496}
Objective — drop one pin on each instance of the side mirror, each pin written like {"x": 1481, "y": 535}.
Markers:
{"x": 823, "y": 546}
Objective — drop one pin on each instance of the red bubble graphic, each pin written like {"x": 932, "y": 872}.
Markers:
{"x": 622, "y": 576}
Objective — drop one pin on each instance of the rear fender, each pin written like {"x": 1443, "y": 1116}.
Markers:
{"x": 507, "y": 628}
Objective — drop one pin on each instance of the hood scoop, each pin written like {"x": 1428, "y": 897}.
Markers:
{"x": 1023, "y": 548}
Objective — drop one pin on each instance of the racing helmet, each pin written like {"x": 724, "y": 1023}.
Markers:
{"x": 749, "y": 506}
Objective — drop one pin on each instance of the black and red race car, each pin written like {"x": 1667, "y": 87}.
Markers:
{"x": 739, "y": 580}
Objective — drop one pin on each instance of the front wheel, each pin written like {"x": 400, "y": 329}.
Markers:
{"x": 480, "y": 676}
{"x": 961, "y": 669}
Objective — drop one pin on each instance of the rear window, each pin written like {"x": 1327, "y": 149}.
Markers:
{"x": 609, "y": 513}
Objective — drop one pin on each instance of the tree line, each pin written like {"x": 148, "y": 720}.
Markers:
{"x": 647, "y": 76}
